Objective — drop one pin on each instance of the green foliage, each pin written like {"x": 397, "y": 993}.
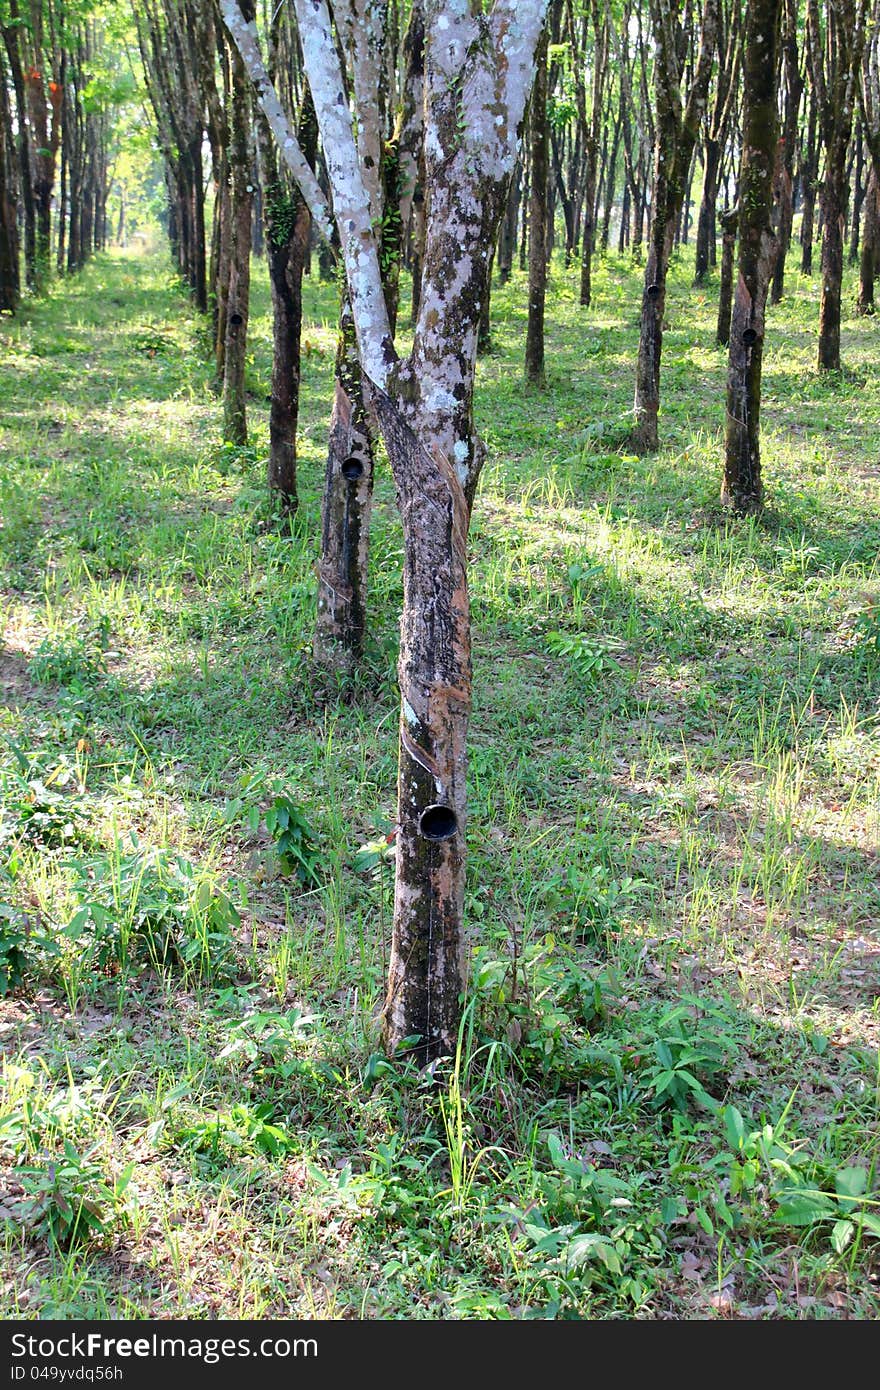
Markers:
{"x": 294, "y": 840}
{"x": 228, "y": 1135}
{"x": 69, "y": 1200}
{"x": 13, "y": 942}
{"x": 282, "y": 209}
{"x": 41, "y": 803}
{"x": 589, "y": 657}
{"x": 139, "y": 903}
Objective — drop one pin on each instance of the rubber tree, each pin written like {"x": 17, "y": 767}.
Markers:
{"x": 340, "y": 626}
{"x": 678, "y": 120}
{"x": 599, "y": 24}
{"x": 869, "y": 260}
{"x": 241, "y": 198}
{"x": 742, "y": 487}
{"x": 10, "y": 274}
{"x": 717, "y": 128}
{"x": 478, "y": 70}
{"x": 835, "y": 43}
{"x": 794, "y": 90}
{"x": 539, "y": 130}
{"x": 288, "y": 225}
{"x": 173, "y": 37}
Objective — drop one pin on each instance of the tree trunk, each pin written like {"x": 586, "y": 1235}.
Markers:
{"x": 676, "y": 130}
{"x": 742, "y": 488}
{"x": 288, "y": 227}
{"x": 434, "y": 670}
{"x": 286, "y": 242}
{"x": 238, "y": 294}
{"x": 729, "y": 220}
{"x": 610, "y": 188}
{"x": 833, "y": 201}
{"x": 25, "y": 156}
{"x": 623, "y": 234}
{"x": 507, "y": 239}
{"x": 870, "y": 253}
{"x": 10, "y": 285}
{"x": 809, "y": 166}
{"x": 538, "y": 221}
{"x": 706, "y": 218}
{"x": 347, "y": 501}
{"x": 858, "y": 187}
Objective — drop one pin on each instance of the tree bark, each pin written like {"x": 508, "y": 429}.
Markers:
{"x": 729, "y": 220}
{"x": 538, "y": 222}
{"x": 478, "y": 71}
{"x": 10, "y": 282}
{"x": 238, "y": 293}
{"x": 809, "y": 167}
{"x": 347, "y": 501}
{"x": 742, "y": 487}
{"x": 835, "y": 55}
{"x": 676, "y": 132}
{"x": 870, "y": 252}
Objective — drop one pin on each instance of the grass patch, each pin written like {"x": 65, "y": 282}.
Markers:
{"x": 664, "y": 1101}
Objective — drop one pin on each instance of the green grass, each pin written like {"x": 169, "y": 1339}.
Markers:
{"x": 665, "y": 1101}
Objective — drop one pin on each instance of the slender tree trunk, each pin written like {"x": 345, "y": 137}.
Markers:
{"x": 286, "y": 253}
{"x": 858, "y": 188}
{"x": 833, "y": 200}
{"x": 65, "y": 156}
{"x": 538, "y": 221}
{"x": 348, "y": 492}
{"x": 870, "y": 253}
{"x": 742, "y": 488}
{"x": 809, "y": 167}
{"x": 10, "y": 284}
{"x": 524, "y": 218}
{"x": 25, "y": 157}
{"x": 706, "y": 217}
{"x": 675, "y": 137}
{"x": 610, "y": 188}
{"x": 484, "y": 336}
{"x": 623, "y": 234}
{"x": 507, "y": 239}
{"x": 238, "y": 294}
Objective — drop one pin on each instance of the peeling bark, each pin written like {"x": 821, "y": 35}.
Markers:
{"x": 478, "y": 70}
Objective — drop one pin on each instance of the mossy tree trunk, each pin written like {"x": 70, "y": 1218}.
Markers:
{"x": 869, "y": 258}
{"x": 808, "y": 175}
{"x": 345, "y": 515}
{"x": 742, "y": 488}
